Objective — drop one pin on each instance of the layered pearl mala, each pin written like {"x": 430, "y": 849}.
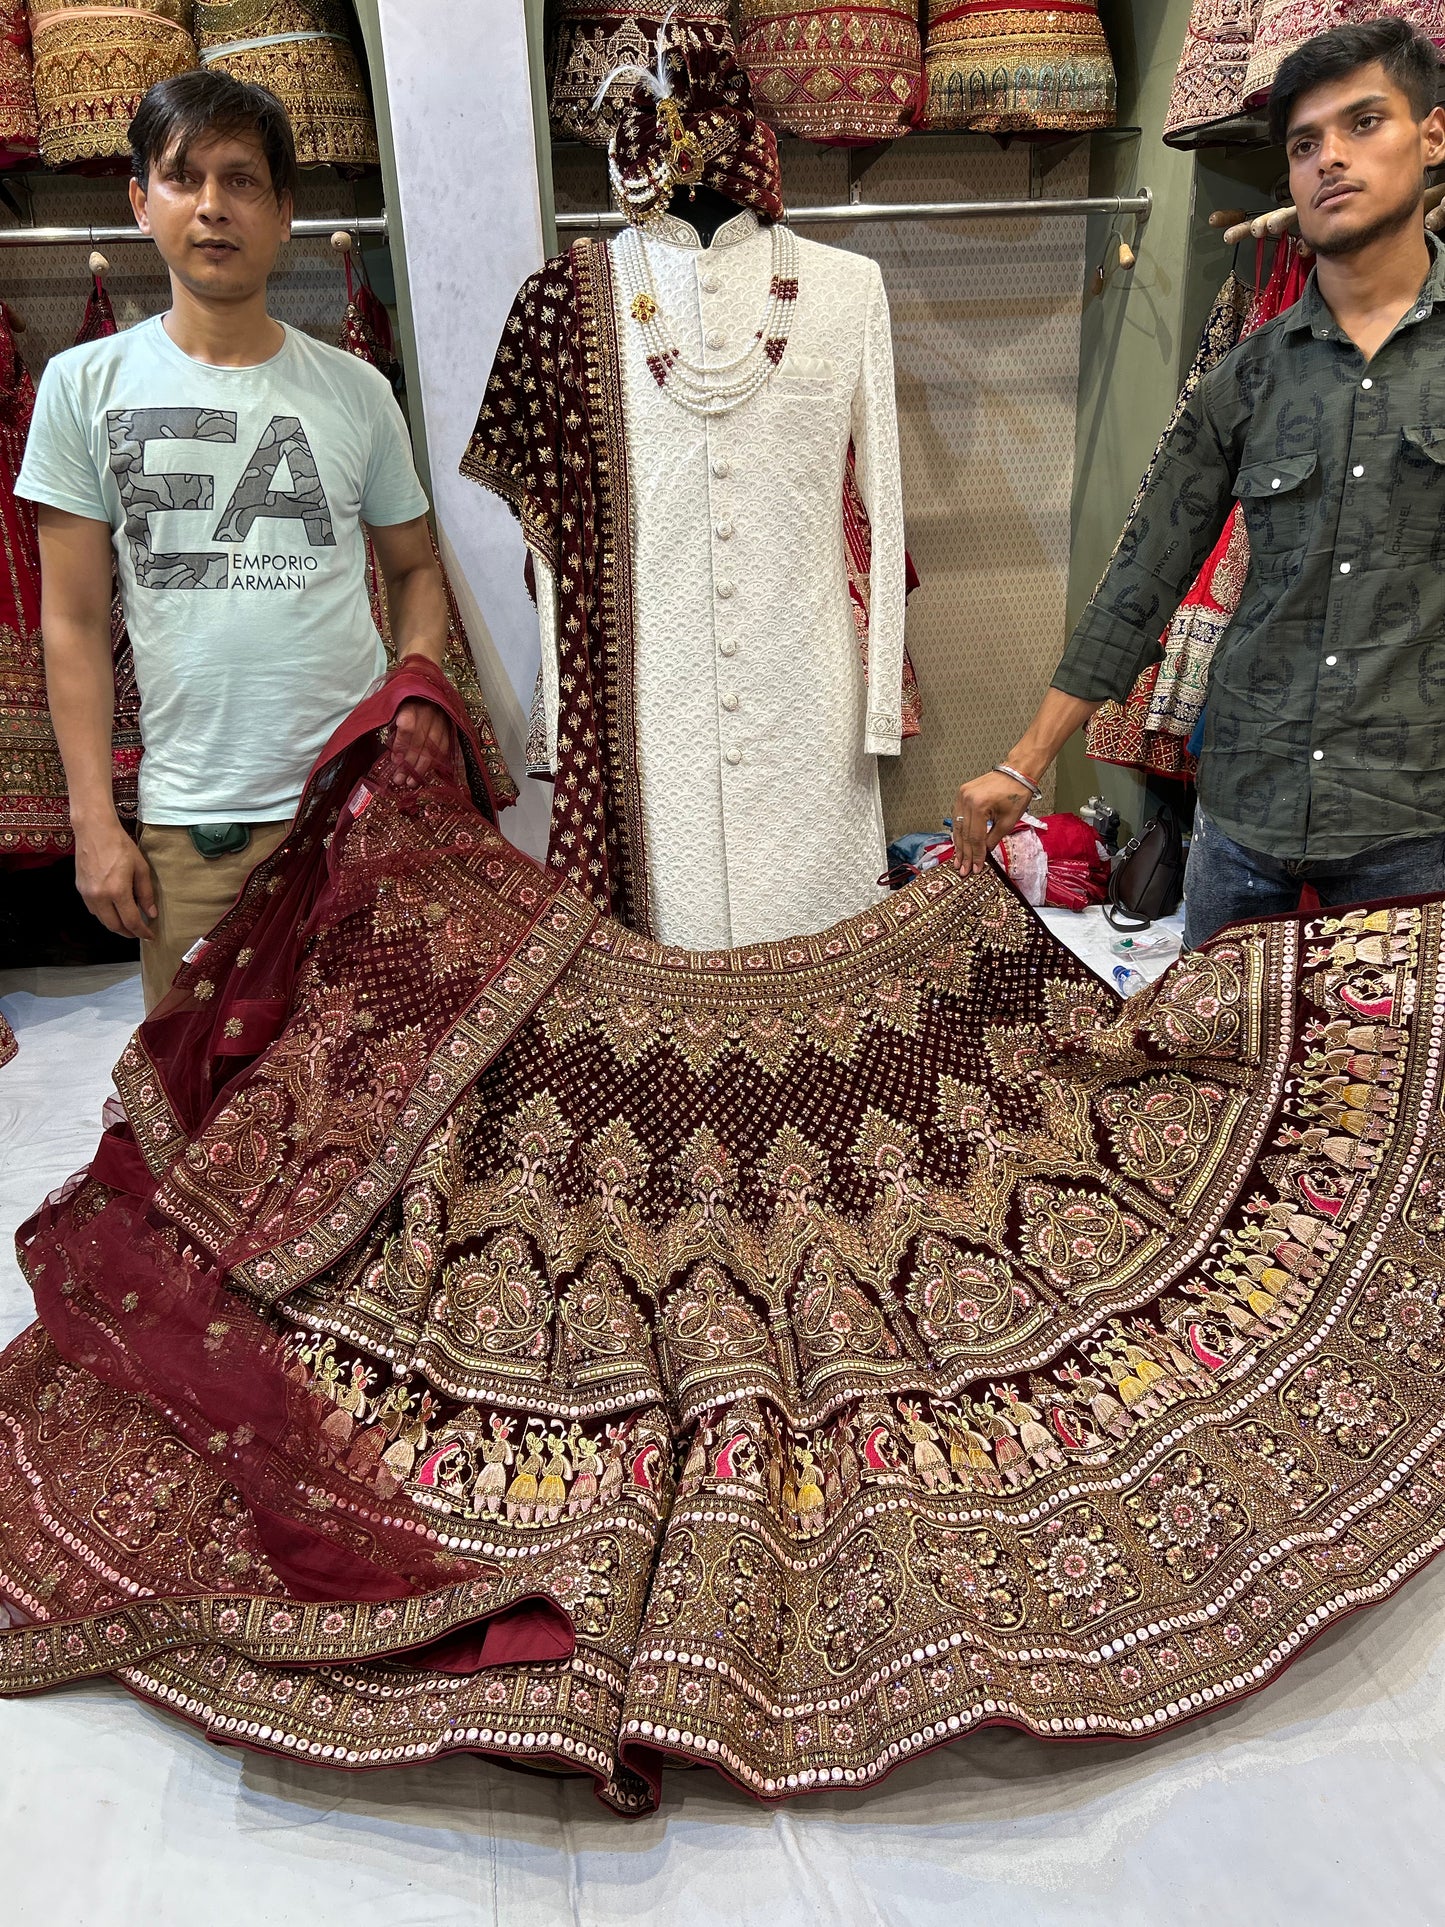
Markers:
{"x": 715, "y": 390}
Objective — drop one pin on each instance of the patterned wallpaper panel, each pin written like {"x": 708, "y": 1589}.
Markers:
{"x": 47, "y": 287}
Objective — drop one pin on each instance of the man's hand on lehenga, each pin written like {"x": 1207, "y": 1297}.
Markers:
{"x": 423, "y": 742}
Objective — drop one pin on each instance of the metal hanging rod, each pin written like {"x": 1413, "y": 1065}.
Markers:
{"x": 59, "y": 237}
{"x": 1140, "y": 205}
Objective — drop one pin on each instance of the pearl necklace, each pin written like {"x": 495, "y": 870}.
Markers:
{"x": 724, "y": 386}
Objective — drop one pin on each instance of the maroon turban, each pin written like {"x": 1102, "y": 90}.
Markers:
{"x": 691, "y": 124}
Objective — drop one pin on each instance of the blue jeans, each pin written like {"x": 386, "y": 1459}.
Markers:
{"x": 1225, "y": 883}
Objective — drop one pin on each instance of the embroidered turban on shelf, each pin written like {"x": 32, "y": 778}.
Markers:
{"x": 690, "y": 123}
{"x": 1284, "y": 25}
{"x": 595, "y": 39}
{"x": 840, "y": 74}
{"x": 1034, "y": 66}
{"x": 301, "y": 50}
{"x": 92, "y": 65}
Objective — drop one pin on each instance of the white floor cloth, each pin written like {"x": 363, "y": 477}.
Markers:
{"x": 1320, "y": 1800}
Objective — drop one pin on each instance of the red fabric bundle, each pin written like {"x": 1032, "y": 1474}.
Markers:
{"x": 1056, "y": 860}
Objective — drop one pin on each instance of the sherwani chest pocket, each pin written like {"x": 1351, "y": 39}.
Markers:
{"x": 1417, "y": 490}
{"x": 1279, "y": 497}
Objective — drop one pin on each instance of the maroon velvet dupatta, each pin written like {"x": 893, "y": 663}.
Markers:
{"x": 550, "y": 441}
{"x": 484, "y": 1329}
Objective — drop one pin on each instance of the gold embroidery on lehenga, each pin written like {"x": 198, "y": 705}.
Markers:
{"x": 847, "y": 1369}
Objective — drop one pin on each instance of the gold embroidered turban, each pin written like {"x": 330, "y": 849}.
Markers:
{"x": 834, "y": 73}
{"x": 1033, "y": 66}
{"x": 92, "y": 65}
{"x": 301, "y": 50}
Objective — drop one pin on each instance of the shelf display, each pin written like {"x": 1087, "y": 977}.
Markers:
{"x": 837, "y": 74}
{"x": 1209, "y": 86}
{"x": 593, "y": 40}
{"x": 1033, "y": 67}
{"x": 301, "y": 50}
{"x": 93, "y": 64}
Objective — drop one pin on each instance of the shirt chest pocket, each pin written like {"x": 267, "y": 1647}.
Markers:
{"x": 1279, "y": 498}
{"x": 1417, "y": 490}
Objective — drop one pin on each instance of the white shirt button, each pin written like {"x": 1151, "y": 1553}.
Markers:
{"x": 721, "y": 466}
{"x": 724, "y": 591}
{"x": 716, "y": 338}
{"x": 709, "y": 282}
{"x": 723, "y": 528}
{"x": 1319, "y": 756}
{"x": 734, "y": 756}
{"x": 1359, "y": 469}
{"x": 1330, "y": 661}
{"x": 727, "y": 647}
{"x": 1367, "y": 383}
{"x": 1276, "y": 483}
{"x": 730, "y": 701}
{"x": 1344, "y": 570}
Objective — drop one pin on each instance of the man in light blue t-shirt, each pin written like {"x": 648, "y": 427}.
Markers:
{"x": 234, "y": 468}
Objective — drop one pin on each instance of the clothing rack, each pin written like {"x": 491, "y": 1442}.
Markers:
{"x": 1140, "y": 205}
{"x": 59, "y": 237}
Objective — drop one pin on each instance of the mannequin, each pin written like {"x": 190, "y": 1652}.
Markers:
{"x": 671, "y": 416}
{"x": 704, "y": 210}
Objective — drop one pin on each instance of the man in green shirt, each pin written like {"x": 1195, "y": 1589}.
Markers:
{"x": 1324, "y": 747}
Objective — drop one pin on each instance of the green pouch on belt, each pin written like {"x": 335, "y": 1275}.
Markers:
{"x": 220, "y": 839}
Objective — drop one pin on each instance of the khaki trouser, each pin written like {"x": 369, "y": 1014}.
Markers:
{"x": 193, "y": 893}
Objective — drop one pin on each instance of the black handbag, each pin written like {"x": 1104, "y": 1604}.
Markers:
{"x": 1148, "y": 875}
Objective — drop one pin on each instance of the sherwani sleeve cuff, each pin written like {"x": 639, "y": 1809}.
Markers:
{"x": 883, "y": 739}
{"x": 547, "y": 623}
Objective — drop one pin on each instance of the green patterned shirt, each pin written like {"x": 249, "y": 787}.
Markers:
{"x": 1325, "y": 726}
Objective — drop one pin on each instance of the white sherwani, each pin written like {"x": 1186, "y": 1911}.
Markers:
{"x": 756, "y": 731}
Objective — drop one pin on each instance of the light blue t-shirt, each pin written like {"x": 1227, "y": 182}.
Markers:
{"x": 236, "y": 497}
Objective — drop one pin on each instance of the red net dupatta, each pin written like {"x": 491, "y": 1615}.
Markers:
{"x": 137, "y": 1287}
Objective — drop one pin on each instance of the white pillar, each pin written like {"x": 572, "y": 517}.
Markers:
{"x": 459, "y": 93}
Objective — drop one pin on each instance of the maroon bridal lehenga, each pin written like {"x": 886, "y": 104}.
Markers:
{"x": 484, "y": 1330}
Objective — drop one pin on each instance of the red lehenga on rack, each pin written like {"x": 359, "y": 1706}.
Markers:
{"x": 34, "y": 802}
{"x": 485, "y": 1330}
